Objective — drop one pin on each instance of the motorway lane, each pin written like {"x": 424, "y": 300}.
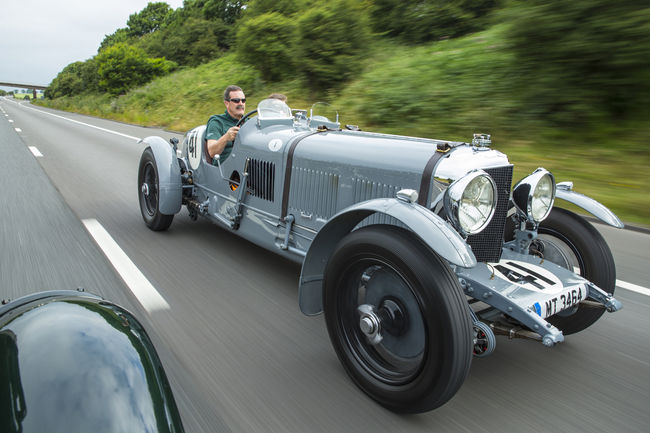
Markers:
{"x": 242, "y": 357}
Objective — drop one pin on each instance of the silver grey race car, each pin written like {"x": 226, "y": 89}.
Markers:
{"x": 418, "y": 251}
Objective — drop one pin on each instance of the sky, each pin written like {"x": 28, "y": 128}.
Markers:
{"x": 38, "y": 38}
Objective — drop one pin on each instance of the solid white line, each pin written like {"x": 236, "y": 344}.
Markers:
{"x": 148, "y": 296}
{"x": 632, "y": 287}
{"x": 86, "y": 124}
{"x": 35, "y": 151}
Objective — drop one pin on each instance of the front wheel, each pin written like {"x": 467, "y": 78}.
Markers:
{"x": 568, "y": 240}
{"x": 397, "y": 319}
{"x": 148, "y": 193}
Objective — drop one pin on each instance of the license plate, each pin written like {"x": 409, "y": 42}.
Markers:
{"x": 562, "y": 301}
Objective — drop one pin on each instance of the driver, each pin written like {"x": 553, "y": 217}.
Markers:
{"x": 221, "y": 129}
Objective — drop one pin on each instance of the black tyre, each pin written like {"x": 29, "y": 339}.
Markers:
{"x": 148, "y": 187}
{"x": 571, "y": 242}
{"x": 385, "y": 276}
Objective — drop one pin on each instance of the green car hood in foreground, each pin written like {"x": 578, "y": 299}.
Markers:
{"x": 72, "y": 362}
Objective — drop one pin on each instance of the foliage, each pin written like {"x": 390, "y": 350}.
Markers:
{"x": 427, "y": 20}
{"x": 284, "y": 7}
{"x": 189, "y": 42}
{"x": 264, "y": 41}
{"x": 327, "y": 55}
{"x": 581, "y": 62}
{"x": 460, "y": 85}
{"x": 120, "y": 35}
{"x": 74, "y": 79}
{"x": 121, "y": 67}
{"x": 148, "y": 19}
{"x": 227, "y": 11}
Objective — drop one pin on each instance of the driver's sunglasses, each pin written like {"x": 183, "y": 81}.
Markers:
{"x": 237, "y": 100}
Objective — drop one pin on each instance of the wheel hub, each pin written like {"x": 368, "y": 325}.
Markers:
{"x": 370, "y": 324}
{"x": 389, "y": 317}
{"x": 145, "y": 189}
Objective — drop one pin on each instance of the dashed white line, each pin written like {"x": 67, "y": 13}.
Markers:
{"x": 148, "y": 296}
{"x": 18, "y": 130}
{"x": 35, "y": 151}
{"x": 632, "y": 287}
{"x": 11, "y": 121}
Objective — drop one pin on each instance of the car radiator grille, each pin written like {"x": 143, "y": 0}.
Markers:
{"x": 261, "y": 179}
{"x": 487, "y": 244}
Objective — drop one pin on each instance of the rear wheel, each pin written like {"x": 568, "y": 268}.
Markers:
{"x": 568, "y": 240}
{"x": 397, "y": 319}
{"x": 148, "y": 193}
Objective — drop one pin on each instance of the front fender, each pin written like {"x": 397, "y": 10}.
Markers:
{"x": 564, "y": 191}
{"x": 436, "y": 233}
{"x": 170, "y": 187}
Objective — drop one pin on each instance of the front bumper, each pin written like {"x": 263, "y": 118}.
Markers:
{"x": 529, "y": 290}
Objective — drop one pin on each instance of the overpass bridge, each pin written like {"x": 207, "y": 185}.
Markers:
{"x": 34, "y": 87}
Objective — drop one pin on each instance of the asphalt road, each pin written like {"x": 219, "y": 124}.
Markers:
{"x": 240, "y": 355}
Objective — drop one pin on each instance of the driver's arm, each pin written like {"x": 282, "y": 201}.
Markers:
{"x": 216, "y": 147}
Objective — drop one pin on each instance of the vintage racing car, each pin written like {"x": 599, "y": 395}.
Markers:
{"x": 417, "y": 250}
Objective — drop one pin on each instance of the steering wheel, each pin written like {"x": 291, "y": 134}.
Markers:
{"x": 245, "y": 117}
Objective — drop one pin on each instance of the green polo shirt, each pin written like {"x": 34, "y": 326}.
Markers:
{"x": 218, "y": 125}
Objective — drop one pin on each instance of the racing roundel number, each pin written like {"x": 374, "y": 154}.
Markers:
{"x": 275, "y": 145}
{"x": 193, "y": 150}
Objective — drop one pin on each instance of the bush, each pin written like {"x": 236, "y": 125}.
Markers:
{"x": 582, "y": 61}
{"x": 330, "y": 41}
{"x": 74, "y": 79}
{"x": 446, "y": 89}
{"x": 119, "y": 35}
{"x": 427, "y": 20}
{"x": 265, "y": 42}
{"x": 121, "y": 67}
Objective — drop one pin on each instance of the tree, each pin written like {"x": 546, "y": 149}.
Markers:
{"x": 265, "y": 42}
{"x": 149, "y": 19}
{"x": 227, "y": 11}
{"x": 190, "y": 42}
{"x": 121, "y": 67}
{"x": 68, "y": 82}
{"x": 119, "y": 35}
{"x": 284, "y": 7}
{"x": 329, "y": 44}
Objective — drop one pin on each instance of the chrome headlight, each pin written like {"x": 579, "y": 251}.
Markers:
{"x": 470, "y": 202}
{"x": 534, "y": 195}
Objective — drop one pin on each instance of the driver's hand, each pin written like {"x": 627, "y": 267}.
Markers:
{"x": 232, "y": 133}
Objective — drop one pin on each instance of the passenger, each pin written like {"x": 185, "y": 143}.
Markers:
{"x": 221, "y": 129}
{"x": 279, "y": 96}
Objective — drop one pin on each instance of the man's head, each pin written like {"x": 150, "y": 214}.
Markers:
{"x": 279, "y": 96}
{"x": 235, "y": 101}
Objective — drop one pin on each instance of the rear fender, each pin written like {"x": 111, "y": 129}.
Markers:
{"x": 170, "y": 188}
{"x": 436, "y": 233}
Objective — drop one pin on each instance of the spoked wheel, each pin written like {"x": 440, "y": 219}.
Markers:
{"x": 148, "y": 193}
{"x": 397, "y": 319}
{"x": 566, "y": 239}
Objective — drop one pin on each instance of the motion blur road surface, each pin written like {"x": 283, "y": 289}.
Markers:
{"x": 238, "y": 352}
